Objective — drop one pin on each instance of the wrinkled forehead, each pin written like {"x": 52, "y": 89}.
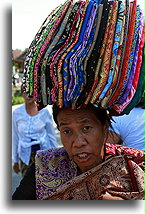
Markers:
{"x": 68, "y": 116}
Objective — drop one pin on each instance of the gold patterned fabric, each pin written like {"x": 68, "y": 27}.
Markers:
{"x": 121, "y": 174}
{"x": 111, "y": 176}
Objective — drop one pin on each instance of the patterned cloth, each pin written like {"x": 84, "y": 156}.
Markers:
{"x": 82, "y": 53}
{"x": 43, "y": 45}
{"x": 86, "y": 52}
{"x": 136, "y": 95}
{"x": 93, "y": 58}
{"x": 121, "y": 174}
{"x": 136, "y": 71}
{"x": 103, "y": 69}
{"x": 43, "y": 29}
{"x": 132, "y": 60}
{"x": 125, "y": 71}
{"x": 65, "y": 70}
{"x": 120, "y": 57}
{"x": 52, "y": 45}
{"x": 115, "y": 49}
{"x": 123, "y": 101}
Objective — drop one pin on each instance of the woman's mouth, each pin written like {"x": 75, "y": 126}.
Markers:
{"x": 82, "y": 157}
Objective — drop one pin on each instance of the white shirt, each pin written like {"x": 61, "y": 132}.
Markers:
{"x": 26, "y": 127}
{"x": 131, "y": 128}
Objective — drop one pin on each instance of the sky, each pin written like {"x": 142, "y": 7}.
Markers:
{"x": 27, "y": 17}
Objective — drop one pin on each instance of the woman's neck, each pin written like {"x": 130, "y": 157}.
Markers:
{"x": 31, "y": 109}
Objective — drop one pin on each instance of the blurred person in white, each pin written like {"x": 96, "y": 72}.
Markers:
{"x": 128, "y": 130}
{"x": 32, "y": 130}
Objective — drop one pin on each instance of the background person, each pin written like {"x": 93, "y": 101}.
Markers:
{"x": 32, "y": 130}
{"x": 128, "y": 130}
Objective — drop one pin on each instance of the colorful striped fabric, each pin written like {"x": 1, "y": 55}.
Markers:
{"x": 87, "y": 51}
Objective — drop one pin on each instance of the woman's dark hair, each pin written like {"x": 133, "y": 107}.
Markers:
{"x": 101, "y": 114}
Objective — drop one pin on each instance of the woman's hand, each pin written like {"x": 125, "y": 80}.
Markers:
{"x": 108, "y": 196}
{"x": 16, "y": 168}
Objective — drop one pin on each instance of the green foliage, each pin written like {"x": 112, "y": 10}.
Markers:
{"x": 17, "y": 96}
{"x": 17, "y": 100}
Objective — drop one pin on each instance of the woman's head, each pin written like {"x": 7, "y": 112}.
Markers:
{"x": 83, "y": 132}
{"x": 28, "y": 100}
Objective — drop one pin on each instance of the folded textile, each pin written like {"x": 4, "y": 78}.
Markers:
{"x": 87, "y": 51}
{"x": 111, "y": 176}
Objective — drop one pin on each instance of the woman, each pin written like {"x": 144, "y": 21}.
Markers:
{"x": 83, "y": 134}
{"x": 86, "y": 60}
{"x": 28, "y": 136}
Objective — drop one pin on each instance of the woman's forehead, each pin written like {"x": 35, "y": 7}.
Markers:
{"x": 78, "y": 115}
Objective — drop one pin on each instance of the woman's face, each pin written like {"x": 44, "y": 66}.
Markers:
{"x": 82, "y": 134}
{"x": 27, "y": 99}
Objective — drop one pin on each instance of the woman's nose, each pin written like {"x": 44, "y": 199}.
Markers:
{"x": 79, "y": 141}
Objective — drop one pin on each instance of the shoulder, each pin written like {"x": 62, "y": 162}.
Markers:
{"x": 118, "y": 119}
{"x": 45, "y": 113}
{"x": 133, "y": 154}
{"x": 138, "y": 111}
{"x": 119, "y": 149}
{"x": 51, "y": 152}
{"x": 55, "y": 154}
{"x": 53, "y": 168}
{"x": 19, "y": 109}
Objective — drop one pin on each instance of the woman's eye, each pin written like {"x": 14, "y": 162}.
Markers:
{"x": 66, "y": 131}
{"x": 86, "y": 128}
